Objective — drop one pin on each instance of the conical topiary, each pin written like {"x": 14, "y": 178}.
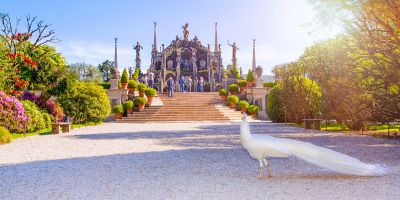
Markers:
{"x": 250, "y": 76}
{"x": 124, "y": 77}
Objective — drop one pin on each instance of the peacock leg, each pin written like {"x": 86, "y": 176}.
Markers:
{"x": 260, "y": 175}
{"x": 268, "y": 167}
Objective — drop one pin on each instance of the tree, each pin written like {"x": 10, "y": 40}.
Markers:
{"x": 86, "y": 72}
{"x": 105, "y": 69}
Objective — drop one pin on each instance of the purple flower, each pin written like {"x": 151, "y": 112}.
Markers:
{"x": 12, "y": 115}
{"x": 28, "y": 96}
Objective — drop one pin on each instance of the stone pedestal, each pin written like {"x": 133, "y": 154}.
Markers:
{"x": 115, "y": 96}
{"x": 259, "y": 83}
{"x": 258, "y": 96}
{"x": 114, "y": 84}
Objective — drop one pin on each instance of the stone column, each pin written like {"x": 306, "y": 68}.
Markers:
{"x": 195, "y": 85}
{"x": 212, "y": 89}
{"x": 160, "y": 85}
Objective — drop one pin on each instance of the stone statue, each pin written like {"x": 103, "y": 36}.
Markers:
{"x": 130, "y": 72}
{"x": 137, "y": 48}
{"x": 259, "y": 71}
{"x": 186, "y": 31}
{"x": 114, "y": 73}
{"x": 234, "y": 50}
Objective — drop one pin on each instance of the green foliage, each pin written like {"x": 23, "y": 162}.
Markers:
{"x": 253, "y": 109}
{"x": 243, "y": 105}
{"x": 132, "y": 84}
{"x": 236, "y": 72}
{"x": 274, "y": 104}
{"x": 250, "y": 76}
{"x": 233, "y": 88}
{"x": 140, "y": 101}
{"x": 232, "y": 99}
{"x": 150, "y": 92}
{"x": 106, "y": 85}
{"x": 135, "y": 74}
{"x": 128, "y": 104}
{"x": 5, "y": 136}
{"x": 124, "y": 77}
{"x": 269, "y": 84}
{"x": 86, "y": 101}
{"x": 118, "y": 109}
{"x": 142, "y": 87}
{"x": 223, "y": 92}
{"x": 242, "y": 83}
{"x": 105, "y": 69}
{"x": 38, "y": 119}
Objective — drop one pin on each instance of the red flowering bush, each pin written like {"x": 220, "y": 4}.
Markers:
{"x": 12, "y": 114}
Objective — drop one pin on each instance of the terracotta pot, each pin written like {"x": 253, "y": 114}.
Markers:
{"x": 131, "y": 90}
{"x": 141, "y": 107}
{"x": 141, "y": 94}
{"x": 118, "y": 115}
{"x": 129, "y": 110}
{"x": 254, "y": 116}
{"x": 150, "y": 100}
{"x": 242, "y": 89}
{"x": 124, "y": 86}
{"x": 224, "y": 98}
{"x": 243, "y": 110}
{"x": 233, "y": 106}
{"x": 249, "y": 84}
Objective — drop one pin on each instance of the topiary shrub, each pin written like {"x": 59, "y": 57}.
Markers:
{"x": 223, "y": 92}
{"x": 5, "y": 136}
{"x": 250, "y": 76}
{"x": 128, "y": 104}
{"x": 253, "y": 109}
{"x": 243, "y": 105}
{"x": 12, "y": 114}
{"x": 132, "y": 84}
{"x": 232, "y": 100}
{"x": 38, "y": 119}
{"x": 140, "y": 101}
{"x": 142, "y": 87}
{"x": 274, "y": 105}
{"x": 118, "y": 109}
{"x": 150, "y": 92}
{"x": 242, "y": 83}
{"x": 233, "y": 88}
{"x": 86, "y": 101}
{"x": 124, "y": 77}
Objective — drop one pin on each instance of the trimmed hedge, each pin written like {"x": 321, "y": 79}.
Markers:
{"x": 150, "y": 92}
{"x": 132, "y": 84}
{"x": 140, "y": 100}
{"x": 274, "y": 105}
{"x": 124, "y": 77}
{"x": 233, "y": 99}
{"x": 142, "y": 87}
{"x": 86, "y": 101}
{"x": 250, "y": 76}
{"x": 253, "y": 109}
{"x": 118, "y": 109}
{"x": 233, "y": 88}
{"x": 223, "y": 92}
{"x": 243, "y": 105}
{"x": 5, "y": 136}
{"x": 129, "y": 104}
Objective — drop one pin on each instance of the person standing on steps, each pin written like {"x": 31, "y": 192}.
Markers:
{"x": 181, "y": 84}
{"x": 190, "y": 84}
{"x": 170, "y": 85}
{"x": 202, "y": 84}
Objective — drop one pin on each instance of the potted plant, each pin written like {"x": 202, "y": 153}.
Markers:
{"x": 233, "y": 89}
{"x": 243, "y": 105}
{"x": 253, "y": 110}
{"x": 224, "y": 94}
{"x": 141, "y": 88}
{"x": 118, "y": 110}
{"x": 150, "y": 93}
{"x": 141, "y": 102}
{"x": 250, "y": 79}
{"x": 232, "y": 101}
{"x": 129, "y": 106}
{"x": 242, "y": 85}
{"x": 132, "y": 86}
{"x": 124, "y": 80}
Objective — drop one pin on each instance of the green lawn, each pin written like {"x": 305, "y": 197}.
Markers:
{"x": 344, "y": 128}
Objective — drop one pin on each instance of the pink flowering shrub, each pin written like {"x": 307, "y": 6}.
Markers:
{"x": 12, "y": 114}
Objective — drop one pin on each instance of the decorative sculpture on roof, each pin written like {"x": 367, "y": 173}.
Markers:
{"x": 186, "y": 31}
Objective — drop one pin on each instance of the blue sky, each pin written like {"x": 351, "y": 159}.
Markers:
{"x": 87, "y": 28}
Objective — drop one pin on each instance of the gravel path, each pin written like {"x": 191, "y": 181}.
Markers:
{"x": 184, "y": 161}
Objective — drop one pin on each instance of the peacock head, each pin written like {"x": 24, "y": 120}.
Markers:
{"x": 244, "y": 115}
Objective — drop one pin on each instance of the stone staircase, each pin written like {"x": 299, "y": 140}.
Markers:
{"x": 184, "y": 107}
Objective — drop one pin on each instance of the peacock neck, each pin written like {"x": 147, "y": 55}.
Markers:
{"x": 245, "y": 130}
